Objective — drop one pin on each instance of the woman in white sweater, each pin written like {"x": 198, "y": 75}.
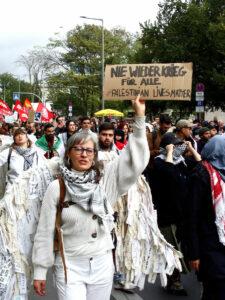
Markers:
{"x": 86, "y": 225}
{"x": 19, "y": 157}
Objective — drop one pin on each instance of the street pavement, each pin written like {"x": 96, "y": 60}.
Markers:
{"x": 150, "y": 292}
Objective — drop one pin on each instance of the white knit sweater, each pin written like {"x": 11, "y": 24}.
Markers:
{"x": 82, "y": 235}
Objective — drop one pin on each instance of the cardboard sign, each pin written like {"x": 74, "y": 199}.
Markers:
{"x": 153, "y": 81}
{"x": 31, "y": 116}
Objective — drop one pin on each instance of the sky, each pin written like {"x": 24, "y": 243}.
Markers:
{"x": 28, "y": 23}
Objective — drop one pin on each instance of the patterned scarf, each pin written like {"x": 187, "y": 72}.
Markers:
{"x": 218, "y": 199}
{"x": 28, "y": 155}
{"x": 85, "y": 192}
{"x": 177, "y": 153}
{"x": 43, "y": 143}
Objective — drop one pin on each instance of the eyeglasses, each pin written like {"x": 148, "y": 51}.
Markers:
{"x": 80, "y": 150}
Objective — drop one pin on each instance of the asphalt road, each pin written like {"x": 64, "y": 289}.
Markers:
{"x": 150, "y": 292}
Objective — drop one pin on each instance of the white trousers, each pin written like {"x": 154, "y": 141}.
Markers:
{"x": 87, "y": 278}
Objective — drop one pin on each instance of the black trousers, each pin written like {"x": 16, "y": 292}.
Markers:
{"x": 213, "y": 290}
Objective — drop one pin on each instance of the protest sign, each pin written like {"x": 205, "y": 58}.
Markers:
{"x": 10, "y": 119}
{"x": 31, "y": 116}
{"x": 153, "y": 81}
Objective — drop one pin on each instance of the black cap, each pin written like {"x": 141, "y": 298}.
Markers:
{"x": 170, "y": 138}
{"x": 203, "y": 130}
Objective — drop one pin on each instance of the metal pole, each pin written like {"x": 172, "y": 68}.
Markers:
{"x": 4, "y": 92}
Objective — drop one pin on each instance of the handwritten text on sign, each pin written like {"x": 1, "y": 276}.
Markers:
{"x": 152, "y": 81}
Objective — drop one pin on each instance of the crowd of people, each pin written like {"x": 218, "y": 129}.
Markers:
{"x": 99, "y": 200}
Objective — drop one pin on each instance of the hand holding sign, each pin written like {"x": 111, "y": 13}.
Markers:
{"x": 138, "y": 106}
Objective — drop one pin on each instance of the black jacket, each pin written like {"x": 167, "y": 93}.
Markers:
{"x": 169, "y": 190}
{"x": 203, "y": 239}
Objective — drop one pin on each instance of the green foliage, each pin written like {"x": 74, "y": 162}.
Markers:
{"x": 190, "y": 31}
{"x": 81, "y": 57}
{"x": 9, "y": 84}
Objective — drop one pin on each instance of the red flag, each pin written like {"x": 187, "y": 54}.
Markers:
{"x": 46, "y": 115}
{"x": 27, "y": 104}
{"x": 40, "y": 107}
{"x": 23, "y": 115}
{"x": 4, "y": 108}
{"x": 18, "y": 106}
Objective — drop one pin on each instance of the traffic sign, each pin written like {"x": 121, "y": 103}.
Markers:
{"x": 199, "y": 96}
{"x": 16, "y": 96}
{"x": 200, "y": 87}
{"x": 70, "y": 114}
{"x": 199, "y": 103}
{"x": 199, "y": 109}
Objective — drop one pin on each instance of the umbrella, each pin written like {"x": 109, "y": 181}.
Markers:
{"x": 108, "y": 112}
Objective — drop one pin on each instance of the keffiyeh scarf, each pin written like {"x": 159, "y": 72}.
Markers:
{"x": 218, "y": 199}
{"x": 177, "y": 153}
{"x": 28, "y": 155}
{"x": 85, "y": 192}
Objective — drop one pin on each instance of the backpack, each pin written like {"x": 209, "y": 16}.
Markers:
{"x": 58, "y": 243}
{"x": 9, "y": 157}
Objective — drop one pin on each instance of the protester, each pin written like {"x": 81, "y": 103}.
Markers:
{"x": 49, "y": 143}
{"x": 119, "y": 139}
{"x": 60, "y": 128}
{"x": 135, "y": 212}
{"x": 184, "y": 129}
{"x": 94, "y": 125}
{"x": 170, "y": 194}
{"x": 154, "y": 138}
{"x": 31, "y": 131}
{"x": 27, "y": 177}
{"x": 20, "y": 156}
{"x": 126, "y": 133}
{"x": 206, "y": 219}
{"x": 88, "y": 246}
{"x": 71, "y": 128}
{"x": 205, "y": 135}
{"x": 107, "y": 150}
{"x": 114, "y": 122}
{"x": 86, "y": 127}
{"x": 213, "y": 130}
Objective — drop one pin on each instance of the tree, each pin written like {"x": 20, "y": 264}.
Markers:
{"x": 189, "y": 31}
{"x": 9, "y": 84}
{"x": 39, "y": 63}
{"x": 80, "y": 81}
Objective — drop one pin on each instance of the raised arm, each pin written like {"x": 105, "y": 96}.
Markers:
{"x": 122, "y": 173}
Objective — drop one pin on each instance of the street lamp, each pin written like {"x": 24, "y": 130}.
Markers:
{"x": 102, "y": 21}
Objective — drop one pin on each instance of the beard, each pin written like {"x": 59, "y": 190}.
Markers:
{"x": 103, "y": 146}
{"x": 50, "y": 138}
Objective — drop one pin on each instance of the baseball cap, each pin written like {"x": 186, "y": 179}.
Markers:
{"x": 184, "y": 124}
{"x": 113, "y": 121}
